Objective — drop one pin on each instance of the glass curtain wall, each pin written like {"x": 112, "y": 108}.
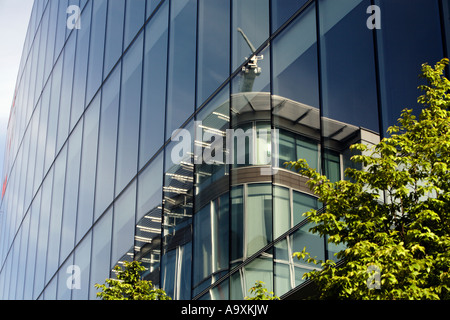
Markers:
{"x": 118, "y": 145}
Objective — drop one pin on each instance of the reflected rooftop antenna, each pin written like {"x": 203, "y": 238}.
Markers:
{"x": 251, "y": 69}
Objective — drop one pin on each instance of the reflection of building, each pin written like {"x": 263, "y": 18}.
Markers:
{"x": 88, "y": 176}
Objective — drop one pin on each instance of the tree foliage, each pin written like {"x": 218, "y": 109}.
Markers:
{"x": 260, "y": 292}
{"x": 129, "y": 285}
{"x": 393, "y": 215}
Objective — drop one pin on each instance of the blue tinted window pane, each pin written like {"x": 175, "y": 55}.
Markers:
{"x": 82, "y": 260}
{"x": 32, "y": 245}
{"x": 135, "y": 15}
{"x": 213, "y": 46}
{"x": 41, "y": 137}
{"x": 96, "y": 49}
{"x": 401, "y": 55}
{"x": 114, "y": 34}
{"x": 282, "y": 10}
{"x": 348, "y": 72}
{"x": 210, "y": 168}
{"x": 251, "y": 17}
{"x": 63, "y": 291}
{"x": 237, "y": 222}
{"x": 181, "y": 90}
{"x": 258, "y": 217}
{"x": 130, "y": 107}
{"x": 42, "y": 241}
{"x": 23, "y": 256}
{"x": 151, "y": 6}
{"x": 61, "y": 27}
{"x": 154, "y": 85}
{"x": 54, "y": 234}
{"x": 53, "y": 115}
{"x": 53, "y": 9}
{"x": 71, "y": 192}
{"x": 81, "y": 64}
{"x": 301, "y": 204}
{"x": 101, "y": 252}
{"x": 150, "y": 187}
{"x": 66, "y": 92}
{"x": 124, "y": 222}
{"x": 88, "y": 168}
{"x": 107, "y": 143}
{"x": 296, "y": 49}
{"x": 202, "y": 244}
{"x": 42, "y": 50}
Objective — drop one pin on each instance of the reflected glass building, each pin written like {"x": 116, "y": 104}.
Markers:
{"x": 120, "y": 139}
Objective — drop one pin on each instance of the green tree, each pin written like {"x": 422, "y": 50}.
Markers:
{"x": 129, "y": 285}
{"x": 260, "y": 292}
{"x": 392, "y": 215}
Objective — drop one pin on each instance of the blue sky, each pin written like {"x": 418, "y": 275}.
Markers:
{"x": 14, "y": 17}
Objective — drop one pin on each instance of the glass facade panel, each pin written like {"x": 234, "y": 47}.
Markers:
{"x": 181, "y": 72}
{"x": 107, "y": 142}
{"x": 282, "y": 10}
{"x": 101, "y": 252}
{"x": 57, "y": 197}
{"x": 282, "y": 211}
{"x": 96, "y": 48}
{"x": 210, "y": 147}
{"x": 91, "y": 161}
{"x": 81, "y": 65}
{"x": 70, "y": 222}
{"x": 154, "y": 85}
{"x": 213, "y": 46}
{"x": 250, "y": 28}
{"x": 42, "y": 240}
{"x": 65, "y": 102}
{"x": 150, "y": 187}
{"x": 258, "y": 218}
{"x": 348, "y": 49}
{"x": 130, "y": 107}
{"x": 114, "y": 34}
{"x": 135, "y": 15}
{"x": 123, "y": 223}
{"x": 86, "y": 192}
{"x": 408, "y": 22}
{"x": 80, "y": 269}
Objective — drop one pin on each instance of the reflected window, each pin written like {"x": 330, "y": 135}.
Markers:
{"x": 302, "y": 203}
{"x": 211, "y": 239}
{"x": 210, "y": 146}
{"x": 282, "y": 211}
{"x": 237, "y": 223}
{"x": 332, "y": 165}
{"x": 258, "y": 217}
